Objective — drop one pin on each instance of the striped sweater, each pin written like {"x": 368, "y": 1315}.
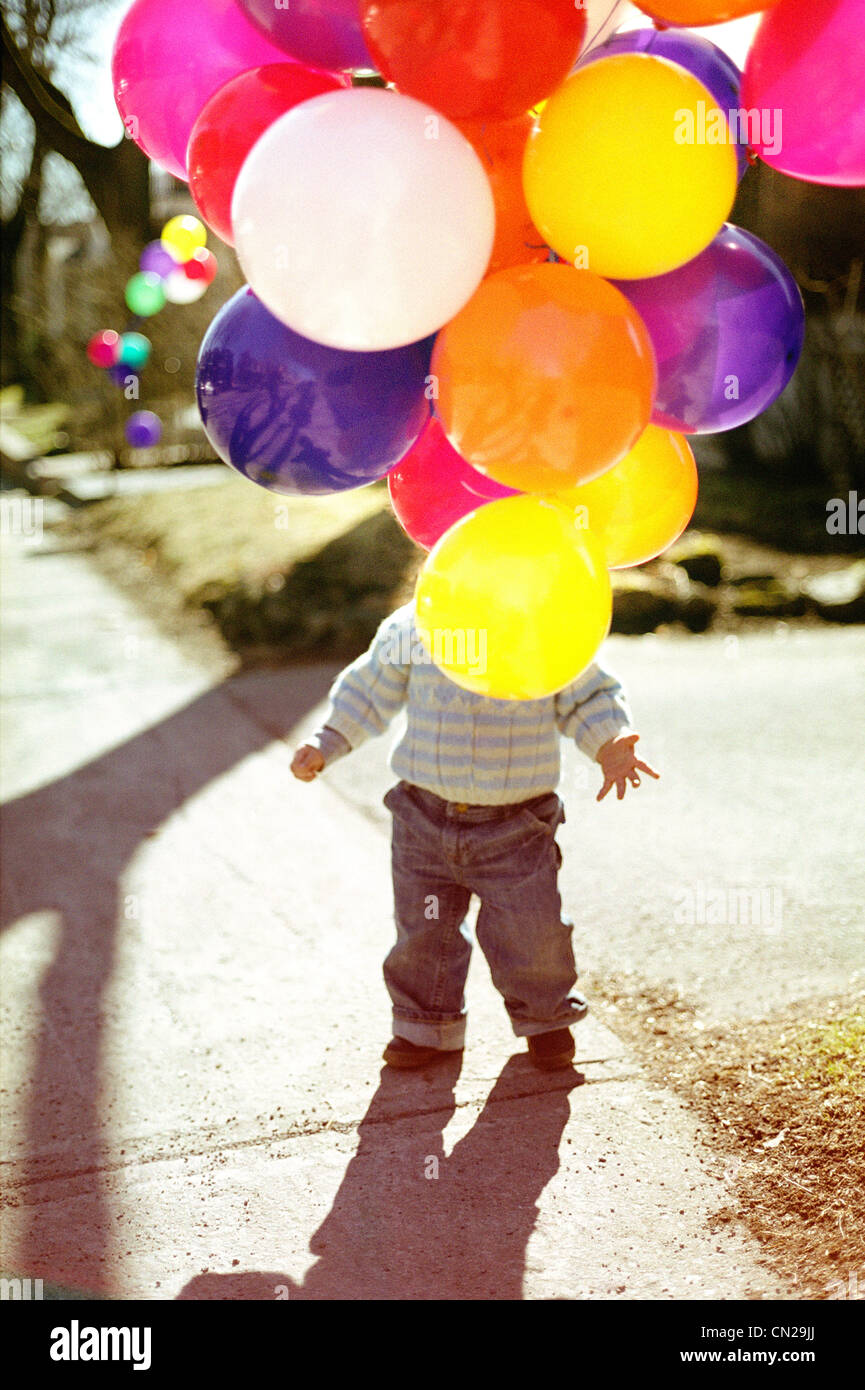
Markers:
{"x": 461, "y": 746}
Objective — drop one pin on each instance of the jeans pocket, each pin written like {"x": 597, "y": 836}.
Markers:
{"x": 547, "y": 813}
{"x": 396, "y": 796}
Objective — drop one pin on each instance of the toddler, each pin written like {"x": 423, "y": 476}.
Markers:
{"x": 475, "y": 811}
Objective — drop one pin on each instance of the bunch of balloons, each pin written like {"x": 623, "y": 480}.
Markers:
{"x": 175, "y": 269}
{"x": 504, "y": 277}
{"x": 123, "y": 356}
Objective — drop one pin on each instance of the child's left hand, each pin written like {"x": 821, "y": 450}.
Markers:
{"x": 620, "y": 766}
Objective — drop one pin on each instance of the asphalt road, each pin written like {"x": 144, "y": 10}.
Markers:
{"x": 194, "y": 1102}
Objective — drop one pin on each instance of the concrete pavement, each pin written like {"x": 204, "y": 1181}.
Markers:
{"x": 194, "y": 1013}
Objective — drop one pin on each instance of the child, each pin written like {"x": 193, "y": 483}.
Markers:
{"x": 475, "y": 812}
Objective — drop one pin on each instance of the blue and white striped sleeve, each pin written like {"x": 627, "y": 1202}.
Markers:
{"x": 592, "y": 710}
{"x": 369, "y": 693}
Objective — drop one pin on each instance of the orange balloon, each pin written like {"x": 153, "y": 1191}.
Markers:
{"x": 641, "y": 505}
{"x": 690, "y": 12}
{"x": 501, "y": 146}
{"x": 545, "y": 377}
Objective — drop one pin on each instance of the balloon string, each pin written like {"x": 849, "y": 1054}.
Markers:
{"x": 604, "y": 22}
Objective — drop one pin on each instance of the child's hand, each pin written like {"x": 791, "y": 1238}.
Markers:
{"x": 307, "y": 763}
{"x": 619, "y": 765}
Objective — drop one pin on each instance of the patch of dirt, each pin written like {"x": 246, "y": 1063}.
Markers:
{"x": 784, "y": 1099}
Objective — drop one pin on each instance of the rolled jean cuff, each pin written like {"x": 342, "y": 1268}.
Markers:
{"x": 575, "y": 1009}
{"x": 449, "y": 1035}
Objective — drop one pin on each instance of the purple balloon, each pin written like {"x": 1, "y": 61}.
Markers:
{"x": 157, "y": 260}
{"x": 727, "y": 329}
{"x": 143, "y": 429}
{"x": 326, "y": 33}
{"x": 298, "y": 417}
{"x": 704, "y": 60}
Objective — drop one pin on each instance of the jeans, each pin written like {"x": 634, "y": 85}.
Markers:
{"x": 444, "y": 852}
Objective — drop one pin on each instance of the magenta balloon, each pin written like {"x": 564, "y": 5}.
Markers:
{"x": 806, "y": 67}
{"x": 727, "y": 328}
{"x": 432, "y": 486}
{"x": 326, "y": 33}
{"x": 169, "y": 57}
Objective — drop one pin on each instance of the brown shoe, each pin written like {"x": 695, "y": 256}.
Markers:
{"x": 402, "y": 1053}
{"x": 552, "y": 1051}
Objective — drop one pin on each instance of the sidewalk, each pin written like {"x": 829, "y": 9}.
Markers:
{"x": 193, "y": 1001}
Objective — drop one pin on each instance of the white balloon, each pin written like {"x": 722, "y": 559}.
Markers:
{"x": 363, "y": 219}
{"x": 179, "y": 289}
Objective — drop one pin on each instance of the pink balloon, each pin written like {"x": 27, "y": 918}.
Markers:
{"x": 169, "y": 57}
{"x": 805, "y": 75}
{"x": 432, "y": 486}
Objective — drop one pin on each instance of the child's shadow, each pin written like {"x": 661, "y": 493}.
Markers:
{"x": 409, "y": 1223}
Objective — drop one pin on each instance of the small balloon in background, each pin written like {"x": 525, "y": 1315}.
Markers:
{"x": 500, "y": 146}
{"x": 727, "y": 330}
{"x": 103, "y": 349}
{"x": 702, "y": 59}
{"x": 806, "y": 71}
{"x": 134, "y": 351}
{"x": 169, "y": 57}
{"x": 618, "y": 174}
{"x": 157, "y": 259}
{"x": 325, "y": 33}
{"x": 431, "y": 487}
{"x": 145, "y": 294}
{"x": 143, "y": 429}
{"x": 545, "y": 378}
{"x": 643, "y": 503}
{"x": 514, "y": 601}
{"x": 202, "y": 265}
{"x": 232, "y": 121}
{"x": 127, "y": 377}
{"x": 300, "y": 418}
{"x": 474, "y": 62}
{"x": 394, "y": 229}
{"x": 179, "y": 289}
{"x": 182, "y": 236}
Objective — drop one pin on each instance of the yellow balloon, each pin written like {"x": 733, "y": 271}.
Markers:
{"x": 183, "y": 236}
{"x": 514, "y": 600}
{"x": 644, "y": 502}
{"x": 625, "y": 173}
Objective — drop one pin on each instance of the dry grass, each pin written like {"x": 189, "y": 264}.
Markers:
{"x": 285, "y": 578}
{"x": 784, "y": 1097}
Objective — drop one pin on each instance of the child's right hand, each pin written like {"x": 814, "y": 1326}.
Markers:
{"x": 307, "y": 763}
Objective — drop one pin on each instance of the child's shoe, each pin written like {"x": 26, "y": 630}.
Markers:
{"x": 552, "y": 1051}
{"x": 402, "y": 1053}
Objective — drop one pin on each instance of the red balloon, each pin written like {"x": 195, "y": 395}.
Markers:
{"x": 474, "y": 61}
{"x": 104, "y": 348}
{"x": 202, "y": 265}
{"x": 432, "y": 487}
{"x": 230, "y": 124}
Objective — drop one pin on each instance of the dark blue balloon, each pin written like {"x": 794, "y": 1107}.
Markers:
{"x": 298, "y": 417}
{"x": 122, "y": 375}
{"x": 704, "y": 60}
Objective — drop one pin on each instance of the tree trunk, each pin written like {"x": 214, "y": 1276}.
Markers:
{"x": 116, "y": 177}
